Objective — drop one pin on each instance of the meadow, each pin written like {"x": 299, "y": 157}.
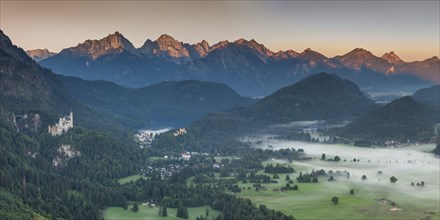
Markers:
{"x": 131, "y": 178}
{"x": 312, "y": 200}
{"x": 150, "y": 213}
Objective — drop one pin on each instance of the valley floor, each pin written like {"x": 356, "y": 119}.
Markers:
{"x": 312, "y": 200}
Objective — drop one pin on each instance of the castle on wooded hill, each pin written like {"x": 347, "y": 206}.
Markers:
{"x": 63, "y": 125}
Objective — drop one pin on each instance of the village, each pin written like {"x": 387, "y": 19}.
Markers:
{"x": 171, "y": 164}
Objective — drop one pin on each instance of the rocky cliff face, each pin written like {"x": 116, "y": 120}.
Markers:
{"x": 112, "y": 44}
{"x": 166, "y": 47}
{"x": 392, "y": 58}
{"x": 359, "y": 59}
{"x": 39, "y": 54}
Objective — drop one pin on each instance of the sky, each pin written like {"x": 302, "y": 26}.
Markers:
{"x": 409, "y": 28}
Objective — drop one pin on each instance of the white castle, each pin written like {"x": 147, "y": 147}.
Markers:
{"x": 64, "y": 124}
{"x": 180, "y": 131}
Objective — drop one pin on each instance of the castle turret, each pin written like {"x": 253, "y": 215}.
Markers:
{"x": 71, "y": 119}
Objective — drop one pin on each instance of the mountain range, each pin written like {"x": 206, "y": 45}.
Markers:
{"x": 73, "y": 176}
{"x": 39, "y": 96}
{"x": 245, "y": 65}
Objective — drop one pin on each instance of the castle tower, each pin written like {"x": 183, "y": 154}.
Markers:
{"x": 71, "y": 119}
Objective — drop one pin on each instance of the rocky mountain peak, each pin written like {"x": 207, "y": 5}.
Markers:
{"x": 165, "y": 37}
{"x": 311, "y": 54}
{"x": 117, "y": 40}
{"x": 167, "y": 48}
{"x": 202, "y": 48}
{"x": 112, "y": 43}
{"x": 392, "y": 58}
{"x": 259, "y": 48}
{"x": 39, "y": 54}
{"x": 242, "y": 41}
{"x": 434, "y": 59}
{"x": 360, "y": 52}
{"x": 361, "y": 58}
{"x": 166, "y": 42}
{"x": 220, "y": 44}
{"x": 204, "y": 44}
{"x": 285, "y": 54}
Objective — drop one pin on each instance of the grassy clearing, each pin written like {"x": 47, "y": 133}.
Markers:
{"x": 38, "y": 217}
{"x": 154, "y": 158}
{"x": 146, "y": 212}
{"x": 219, "y": 159}
{"x": 312, "y": 200}
{"x": 130, "y": 178}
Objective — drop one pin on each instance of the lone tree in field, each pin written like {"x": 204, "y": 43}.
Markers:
{"x": 335, "y": 200}
{"x": 182, "y": 212}
{"x": 323, "y": 157}
{"x": 287, "y": 177}
{"x": 164, "y": 211}
{"x": 135, "y": 207}
{"x": 393, "y": 179}
{"x": 364, "y": 177}
{"x": 351, "y": 191}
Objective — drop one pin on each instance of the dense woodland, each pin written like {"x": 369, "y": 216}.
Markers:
{"x": 30, "y": 185}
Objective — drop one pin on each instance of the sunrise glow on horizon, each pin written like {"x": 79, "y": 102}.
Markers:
{"x": 409, "y": 28}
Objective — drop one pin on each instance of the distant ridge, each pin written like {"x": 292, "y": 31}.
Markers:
{"x": 166, "y": 104}
{"x": 318, "y": 97}
{"x": 401, "y": 120}
{"x": 247, "y": 66}
{"x": 429, "y": 95}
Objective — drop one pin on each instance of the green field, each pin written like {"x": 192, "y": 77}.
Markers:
{"x": 146, "y": 212}
{"x": 130, "y": 178}
{"x": 312, "y": 200}
{"x": 218, "y": 159}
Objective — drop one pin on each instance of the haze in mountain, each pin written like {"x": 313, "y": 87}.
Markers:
{"x": 427, "y": 69}
{"x": 317, "y": 97}
{"x": 429, "y": 95}
{"x": 245, "y": 65}
{"x": 39, "y": 54}
{"x": 167, "y": 104}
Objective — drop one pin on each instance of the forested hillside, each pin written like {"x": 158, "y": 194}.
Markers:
{"x": 173, "y": 103}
